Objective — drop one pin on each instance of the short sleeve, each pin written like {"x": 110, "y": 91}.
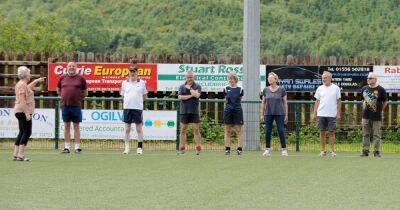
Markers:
{"x": 283, "y": 92}
{"x": 144, "y": 91}
{"x": 180, "y": 90}
{"x": 241, "y": 92}
{"x": 263, "y": 92}
{"x": 338, "y": 93}
{"x": 122, "y": 90}
{"x": 199, "y": 88}
{"x": 317, "y": 94}
{"x": 23, "y": 89}
{"x": 59, "y": 82}
{"x": 383, "y": 94}
{"x": 84, "y": 84}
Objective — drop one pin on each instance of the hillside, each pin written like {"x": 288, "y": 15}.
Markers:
{"x": 316, "y": 27}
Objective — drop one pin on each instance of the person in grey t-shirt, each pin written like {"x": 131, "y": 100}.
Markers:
{"x": 274, "y": 107}
{"x": 189, "y": 94}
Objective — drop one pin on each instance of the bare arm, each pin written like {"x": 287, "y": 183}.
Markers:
{"x": 316, "y": 104}
{"x": 263, "y": 101}
{"x": 384, "y": 105}
{"x": 339, "y": 108}
{"x": 184, "y": 97}
{"x": 33, "y": 84}
{"x": 144, "y": 97}
{"x": 58, "y": 91}
{"x": 85, "y": 93}
{"x": 285, "y": 104}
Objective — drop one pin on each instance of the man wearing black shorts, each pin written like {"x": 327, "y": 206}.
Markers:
{"x": 189, "y": 94}
{"x": 134, "y": 92}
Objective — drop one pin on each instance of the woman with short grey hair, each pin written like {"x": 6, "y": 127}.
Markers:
{"x": 23, "y": 110}
{"x": 274, "y": 108}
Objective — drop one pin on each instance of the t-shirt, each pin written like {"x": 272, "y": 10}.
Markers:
{"x": 233, "y": 97}
{"x": 71, "y": 88}
{"x": 133, "y": 93}
{"x": 373, "y": 99}
{"x": 190, "y": 106}
{"x": 327, "y": 96}
{"x": 274, "y": 101}
{"x": 22, "y": 89}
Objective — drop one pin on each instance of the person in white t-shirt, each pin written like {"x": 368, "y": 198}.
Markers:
{"x": 327, "y": 109}
{"x": 134, "y": 93}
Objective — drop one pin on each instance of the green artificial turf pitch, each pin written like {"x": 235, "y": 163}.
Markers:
{"x": 162, "y": 180}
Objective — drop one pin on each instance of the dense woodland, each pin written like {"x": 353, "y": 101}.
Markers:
{"x": 297, "y": 27}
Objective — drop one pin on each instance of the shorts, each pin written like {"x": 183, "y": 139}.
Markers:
{"x": 133, "y": 116}
{"x": 190, "y": 118}
{"x": 233, "y": 117}
{"x": 71, "y": 114}
{"x": 327, "y": 123}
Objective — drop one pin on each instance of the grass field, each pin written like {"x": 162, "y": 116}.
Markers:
{"x": 162, "y": 180}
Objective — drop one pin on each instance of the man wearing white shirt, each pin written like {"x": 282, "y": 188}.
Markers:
{"x": 327, "y": 109}
{"x": 134, "y": 92}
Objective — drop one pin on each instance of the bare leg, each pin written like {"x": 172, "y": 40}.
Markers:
{"x": 228, "y": 135}
{"x": 182, "y": 143}
{"x": 322, "y": 135}
{"x": 67, "y": 134}
{"x": 239, "y": 134}
{"x": 332, "y": 140}
{"x": 197, "y": 135}
{"x": 77, "y": 135}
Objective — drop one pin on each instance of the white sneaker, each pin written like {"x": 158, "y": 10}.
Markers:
{"x": 266, "y": 153}
{"x": 126, "y": 151}
{"x": 139, "y": 151}
{"x": 332, "y": 154}
{"x": 285, "y": 153}
{"x": 322, "y": 154}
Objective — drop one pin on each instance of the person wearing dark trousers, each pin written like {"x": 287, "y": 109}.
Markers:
{"x": 233, "y": 113}
{"x": 274, "y": 108}
{"x": 72, "y": 88}
{"x": 374, "y": 102}
{"x": 189, "y": 94}
{"x": 24, "y": 109}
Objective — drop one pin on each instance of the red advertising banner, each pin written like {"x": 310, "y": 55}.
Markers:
{"x": 104, "y": 76}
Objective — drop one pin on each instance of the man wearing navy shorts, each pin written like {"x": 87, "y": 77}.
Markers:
{"x": 134, "y": 93}
{"x": 189, "y": 94}
{"x": 73, "y": 88}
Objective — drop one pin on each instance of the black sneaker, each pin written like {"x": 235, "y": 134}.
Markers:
{"x": 239, "y": 152}
{"x": 377, "y": 154}
{"x": 227, "y": 152}
{"x": 65, "y": 151}
{"x": 77, "y": 151}
{"x": 364, "y": 153}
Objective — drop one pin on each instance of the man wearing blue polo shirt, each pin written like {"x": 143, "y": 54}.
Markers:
{"x": 189, "y": 94}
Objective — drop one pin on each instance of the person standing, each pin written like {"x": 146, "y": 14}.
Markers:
{"x": 72, "y": 88}
{"x": 134, "y": 93}
{"x": 274, "y": 108}
{"x": 327, "y": 109}
{"x": 24, "y": 109}
{"x": 233, "y": 113}
{"x": 189, "y": 94}
{"x": 374, "y": 102}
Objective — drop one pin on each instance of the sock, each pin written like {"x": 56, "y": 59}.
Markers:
{"x": 140, "y": 144}
{"x": 239, "y": 149}
{"x": 67, "y": 145}
{"x": 227, "y": 148}
{"x": 127, "y": 140}
{"x": 76, "y": 145}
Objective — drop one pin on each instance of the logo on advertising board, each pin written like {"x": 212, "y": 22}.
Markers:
{"x": 104, "y": 76}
